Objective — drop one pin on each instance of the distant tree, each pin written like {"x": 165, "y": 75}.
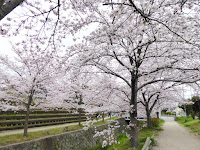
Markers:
{"x": 104, "y": 91}
{"x": 196, "y": 105}
{"x": 155, "y": 95}
{"x": 187, "y": 106}
{"x": 188, "y": 109}
{"x": 148, "y": 108}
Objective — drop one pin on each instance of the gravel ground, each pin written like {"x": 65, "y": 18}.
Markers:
{"x": 176, "y": 137}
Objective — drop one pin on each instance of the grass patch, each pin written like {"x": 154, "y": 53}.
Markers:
{"x": 100, "y": 122}
{"x": 143, "y": 134}
{"x": 124, "y": 142}
{"x": 194, "y": 125}
{"x": 161, "y": 122}
{"x": 122, "y": 139}
{"x": 99, "y": 147}
{"x": 114, "y": 118}
{"x": 18, "y": 138}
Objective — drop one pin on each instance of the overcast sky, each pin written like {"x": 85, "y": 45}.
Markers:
{"x": 6, "y": 47}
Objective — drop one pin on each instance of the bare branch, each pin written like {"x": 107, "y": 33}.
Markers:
{"x": 117, "y": 4}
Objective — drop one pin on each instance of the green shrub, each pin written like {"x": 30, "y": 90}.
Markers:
{"x": 155, "y": 122}
{"x": 142, "y": 124}
{"x": 152, "y": 141}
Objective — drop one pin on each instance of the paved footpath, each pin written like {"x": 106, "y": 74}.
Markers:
{"x": 20, "y": 131}
{"x": 176, "y": 137}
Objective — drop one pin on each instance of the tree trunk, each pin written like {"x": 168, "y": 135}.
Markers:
{"x": 133, "y": 113}
{"x": 193, "y": 114}
{"x": 185, "y": 113}
{"x": 79, "y": 117}
{"x": 148, "y": 113}
{"x": 157, "y": 113}
{"x": 97, "y": 114}
{"x": 30, "y": 98}
{"x": 198, "y": 115}
{"x": 103, "y": 117}
{"x": 149, "y": 125}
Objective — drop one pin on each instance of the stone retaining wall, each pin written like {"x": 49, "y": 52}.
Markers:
{"x": 76, "y": 140}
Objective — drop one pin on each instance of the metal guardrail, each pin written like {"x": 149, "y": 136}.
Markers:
{"x": 147, "y": 144}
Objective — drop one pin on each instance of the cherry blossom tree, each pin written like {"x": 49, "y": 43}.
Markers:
{"x": 32, "y": 78}
{"x": 106, "y": 93}
{"x": 50, "y": 20}
{"x": 138, "y": 46}
{"x": 138, "y": 42}
{"x": 155, "y": 95}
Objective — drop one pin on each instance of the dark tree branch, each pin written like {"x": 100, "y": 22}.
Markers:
{"x": 117, "y": 4}
{"x": 139, "y": 10}
{"x": 123, "y": 93}
{"x": 141, "y": 103}
{"x": 109, "y": 71}
{"x": 154, "y": 103}
{"x": 168, "y": 80}
{"x": 120, "y": 62}
{"x": 2, "y": 2}
{"x": 152, "y": 96}
{"x": 8, "y": 7}
{"x": 56, "y": 24}
{"x": 144, "y": 98}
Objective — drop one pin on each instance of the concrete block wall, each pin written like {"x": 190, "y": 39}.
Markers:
{"x": 76, "y": 140}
